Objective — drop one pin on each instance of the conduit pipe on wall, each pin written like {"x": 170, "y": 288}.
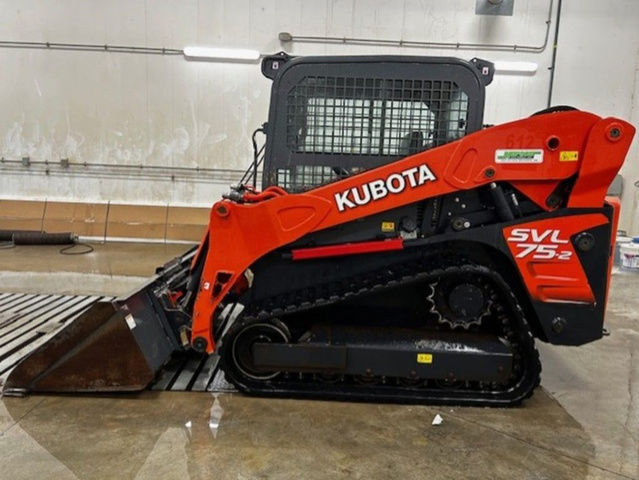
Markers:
{"x": 286, "y": 37}
{"x": 216, "y": 54}
{"x": 93, "y": 169}
{"x": 91, "y": 47}
{"x": 553, "y": 64}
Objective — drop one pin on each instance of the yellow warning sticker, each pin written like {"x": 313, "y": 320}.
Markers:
{"x": 388, "y": 226}
{"x": 424, "y": 358}
{"x": 569, "y": 156}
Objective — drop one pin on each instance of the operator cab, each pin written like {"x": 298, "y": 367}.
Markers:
{"x": 332, "y": 117}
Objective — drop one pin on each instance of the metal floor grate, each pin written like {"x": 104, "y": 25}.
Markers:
{"x": 29, "y": 320}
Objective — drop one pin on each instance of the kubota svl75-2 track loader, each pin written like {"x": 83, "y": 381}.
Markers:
{"x": 397, "y": 250}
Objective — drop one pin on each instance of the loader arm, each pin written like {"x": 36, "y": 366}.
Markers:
{"x": 561, "y": 146}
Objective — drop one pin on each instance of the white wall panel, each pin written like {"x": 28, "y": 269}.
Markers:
{"x": 163, "y": 110}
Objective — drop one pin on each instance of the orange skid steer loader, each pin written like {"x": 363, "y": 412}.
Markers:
{"x": 397, "y": 250}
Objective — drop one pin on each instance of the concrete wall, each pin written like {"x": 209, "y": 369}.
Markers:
{"x": 163, "y": 110}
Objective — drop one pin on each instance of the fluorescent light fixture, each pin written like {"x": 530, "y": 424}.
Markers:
{"x": 515, "y": 67}
{"x": 219, "y": 53}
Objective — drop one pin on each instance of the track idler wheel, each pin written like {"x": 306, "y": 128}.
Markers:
{"x": 238, "y": 352}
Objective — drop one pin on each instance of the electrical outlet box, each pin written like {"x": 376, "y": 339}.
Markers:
{"x": 494, "y": 7}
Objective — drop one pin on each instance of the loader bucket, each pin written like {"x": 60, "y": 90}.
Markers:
{"x": 111, "y": 347}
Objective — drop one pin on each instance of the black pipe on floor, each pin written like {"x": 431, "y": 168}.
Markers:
{"x": 44, "y": 238}
{"x": 37, "y": 237}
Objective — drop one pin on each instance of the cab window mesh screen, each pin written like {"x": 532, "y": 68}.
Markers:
{"x": 298, "y": 178}
{"x": 372, "y": 116}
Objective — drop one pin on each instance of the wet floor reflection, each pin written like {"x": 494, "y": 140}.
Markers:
{"x": 590, "y": 431}
{"x": 188, "y": 435}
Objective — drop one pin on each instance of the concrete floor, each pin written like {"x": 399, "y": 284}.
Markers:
{"x": 583, "y": 423}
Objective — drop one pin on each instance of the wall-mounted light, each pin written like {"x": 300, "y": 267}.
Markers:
{"x": 219, "y": 53}
{"x": 515, "y": 67}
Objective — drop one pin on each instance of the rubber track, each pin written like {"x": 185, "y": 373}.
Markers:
{"x": 308, "y": 386}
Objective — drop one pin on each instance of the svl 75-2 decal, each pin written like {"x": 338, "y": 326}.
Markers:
{"x": 547, "y": 260}
{"x": 540, "y": 244}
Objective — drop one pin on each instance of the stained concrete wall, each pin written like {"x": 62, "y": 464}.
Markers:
{"x": 163, "y": 110}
